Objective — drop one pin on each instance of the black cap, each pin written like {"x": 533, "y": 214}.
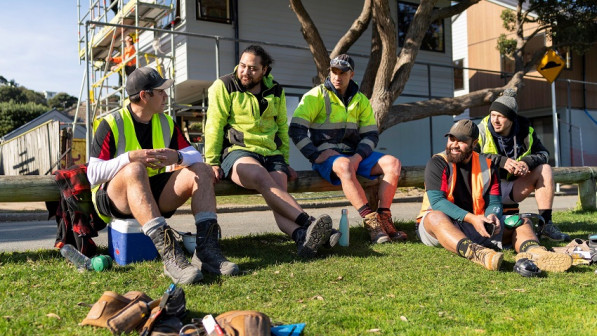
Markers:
{"x": 464, "y": 130}
{"x": 342, "y": 62}
{"x": 146, "y": 78}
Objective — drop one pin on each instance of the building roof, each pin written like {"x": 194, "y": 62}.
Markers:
{"x": 53, "y": 114}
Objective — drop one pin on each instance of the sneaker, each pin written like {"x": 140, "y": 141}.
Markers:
{"x": 313, "y": 237}
{"x": 485, "y": 257}
{"x": 208, "y": 255}
{"x": 374, "y": 226}
{"x": 176, "y": 265}
{"x": 335, "y": 236}
{"x": 388, "y": 226}
{"x": 546, "y": 260}
{"x": 552, "y": 232}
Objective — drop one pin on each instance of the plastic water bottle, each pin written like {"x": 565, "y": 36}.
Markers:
{"x": 344, "y": 239}
{"x": 82, "y": 262}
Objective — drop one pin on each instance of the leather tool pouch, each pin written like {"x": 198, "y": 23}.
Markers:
{"x": 244, "y": 323}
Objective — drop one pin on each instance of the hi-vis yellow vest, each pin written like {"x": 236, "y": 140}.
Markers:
{"x": 125, "y": 138}
{"x": 480, "y": 182}
{"x": 488, "y": 146}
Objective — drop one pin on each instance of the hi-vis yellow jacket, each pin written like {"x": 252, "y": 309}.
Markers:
{"x": 234, "y": 120}
{"x": 346, "y": 128}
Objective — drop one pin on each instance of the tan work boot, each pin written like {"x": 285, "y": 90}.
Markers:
{"x": 387, "y": 225}
{"x": 546, "y": 260}
{"x": 376, "y": 232}
{"x": 485, "y": 257}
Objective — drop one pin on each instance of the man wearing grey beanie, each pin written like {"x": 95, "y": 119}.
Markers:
{"x": 512, "y": 144}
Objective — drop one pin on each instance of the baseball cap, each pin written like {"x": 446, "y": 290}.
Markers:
{"x": 464, "y": 130}
{"x": 342, "y": 62}
{"x": 146, "y": 78}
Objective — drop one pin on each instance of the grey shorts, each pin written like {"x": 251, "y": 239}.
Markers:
{"x": 106, "y": 207}
{"x": 507, "y": 187}
{"x": 270, "y": 163}
{"x": 495, "y": 242}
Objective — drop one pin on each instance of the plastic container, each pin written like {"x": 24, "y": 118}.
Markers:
{"x": 344, "y": 229}
{"x": 127, "y": 243}
{"x": 83, "y": 263}
{"x": 189, "y": 241}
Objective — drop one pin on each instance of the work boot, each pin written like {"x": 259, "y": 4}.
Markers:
{"x": 176, "y": 265}
{"x": 314, "y": 236}
{"x": 334, "y": 235}
{"x": 546, "y": 260}
{"x": 552, "y": 232}
{"x": 387, "y": 225}
{"x": 374, "y": 226}
{"x": 208, "y": 255}
{"x": 484, "y": 256}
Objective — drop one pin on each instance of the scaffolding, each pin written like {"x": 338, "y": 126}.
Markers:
{"x": 98, "y": 43}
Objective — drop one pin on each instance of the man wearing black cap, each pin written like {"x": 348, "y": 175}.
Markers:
{"x": 335, "y": 128}
{"x": 462, "y": 208}
{"x": 129, "y": 155}
{"x": 512, "y": 144}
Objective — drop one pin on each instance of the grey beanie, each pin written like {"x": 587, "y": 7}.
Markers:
{"x": 506, "y": 104}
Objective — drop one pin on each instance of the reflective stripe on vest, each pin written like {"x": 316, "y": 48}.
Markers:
{"x": 480, "y": 183}
{"x": 122, "y": 127}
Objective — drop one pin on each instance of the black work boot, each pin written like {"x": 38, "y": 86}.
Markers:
{"x": 176, "y": 265}
{"x": 314, "y": 236}
{"x": 208, "y": 255}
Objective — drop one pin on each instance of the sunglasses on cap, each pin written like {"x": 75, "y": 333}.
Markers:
{"x": 342, "y": 63}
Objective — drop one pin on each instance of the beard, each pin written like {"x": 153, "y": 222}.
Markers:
{"x": 459, "y": 157}
{"x": 250, "y": 82}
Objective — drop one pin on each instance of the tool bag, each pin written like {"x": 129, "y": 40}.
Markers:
{"x": 244, "y": 323}
{"x": 119, "y": 313}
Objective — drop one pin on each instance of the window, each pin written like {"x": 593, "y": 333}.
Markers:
{"x": 434, "y": 37}
{"x": 458, "y": 74}
{"x": 214, "y": 10}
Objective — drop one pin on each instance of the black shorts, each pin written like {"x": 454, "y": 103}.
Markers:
{"x": 106, "y": 207}
{"x": 270, "y": 163}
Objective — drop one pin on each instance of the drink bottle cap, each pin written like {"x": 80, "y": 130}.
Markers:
{"x": 101, "y": 263}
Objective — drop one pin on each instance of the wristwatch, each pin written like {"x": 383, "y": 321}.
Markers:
{"x": 179, "y": 157}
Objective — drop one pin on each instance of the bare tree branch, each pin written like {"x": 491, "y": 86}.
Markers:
{"x": 355, "y": 31}
{"x": 313, "y": 38}
{"x": 450, "y": 11}
{"x": 373, "y": 63}
{"x": 412, "y": 43}
{"x": 444, "y": 106}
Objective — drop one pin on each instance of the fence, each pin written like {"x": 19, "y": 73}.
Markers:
{"x": 32, "y": 153}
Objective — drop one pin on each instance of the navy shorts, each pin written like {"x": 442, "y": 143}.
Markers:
{"x": 106, "y": 207}
{"x": 325, "y": 168}
{"x": 270, "y": 163}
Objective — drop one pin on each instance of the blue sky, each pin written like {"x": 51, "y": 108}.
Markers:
{"x": 39, "y": 45}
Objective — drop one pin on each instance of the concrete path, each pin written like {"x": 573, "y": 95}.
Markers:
{"x": 30, "y": 231}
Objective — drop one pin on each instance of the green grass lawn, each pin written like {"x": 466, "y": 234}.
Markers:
{"x": 391, "y": 289}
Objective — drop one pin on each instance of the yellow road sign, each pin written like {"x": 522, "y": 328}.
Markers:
{"x": 550, "y": 65}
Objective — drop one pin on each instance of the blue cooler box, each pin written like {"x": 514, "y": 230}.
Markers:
{"x": 127, "y": 243}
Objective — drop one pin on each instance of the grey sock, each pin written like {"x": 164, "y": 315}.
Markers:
{"x": 205, "y": 215}
{"x": 153, "y": 224}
